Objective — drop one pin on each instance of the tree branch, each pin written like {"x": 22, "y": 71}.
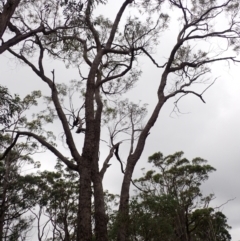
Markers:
{"x": 128, "y": 68}
{"x": 195, "y": 65}
{"x": 105, "y": 164}
{"x": 18, "y": 38}
{"x": 115, "y": 24}
{"x": 61, "y": 115}
{"x": 153, "y": 60}
{"x": 10, "y": 147}
{"x": 44, "y": 143}
{"x": 5, "y": 16}
{"x": 90, "y": 25}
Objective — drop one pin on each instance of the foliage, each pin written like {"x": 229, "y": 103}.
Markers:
{"x": 18, "y": 192}
{"x": 170, "y": 205}
{"x": 8, "y": 107}
{"x": 58, "y": 198}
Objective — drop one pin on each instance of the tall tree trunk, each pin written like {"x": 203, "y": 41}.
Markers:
{"x": 1, "y": 224}
{"x": 100, "y": 216}
{"x": 89, "y": 170}
{"x": 2, "y": 206}
{"x": 84, "y": 230}
{"x": 99, "y": 205}
{"x": 5, "y": 16}
{"x": 123, "y": 212}
{"x": 84, "y": 225}
{"x": 4, "y": 190}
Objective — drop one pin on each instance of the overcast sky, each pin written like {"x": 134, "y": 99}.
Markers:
{"x": 210, "y": 131}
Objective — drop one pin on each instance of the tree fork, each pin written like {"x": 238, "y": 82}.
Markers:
{"x": 131, "y": 162}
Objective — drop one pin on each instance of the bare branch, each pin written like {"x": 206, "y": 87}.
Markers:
{"x": 105, "y": 164}
{"x": 229, "y": 200}
{"x": 198, "y": 64}
{"x": 153, "y": 60}
{"x": 192, "y": 92}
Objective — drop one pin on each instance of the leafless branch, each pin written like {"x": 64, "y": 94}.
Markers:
{"x": 153, "y": 60}
{"x": 218, "y": 207}
{"x": 198, "y": 64}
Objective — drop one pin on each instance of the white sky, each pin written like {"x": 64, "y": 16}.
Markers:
{"x": 210, "y": 131}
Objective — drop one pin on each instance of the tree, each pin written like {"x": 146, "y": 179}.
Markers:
{"x": 212, "y": 225}
{"x": 16, "y": 34}
{"x": 18, "y": 191}
{"x": 8, "y": 107}
{"x": 57, "y": 203}
{"x": 169, "y": 204}
{"x": 76, "y": 35}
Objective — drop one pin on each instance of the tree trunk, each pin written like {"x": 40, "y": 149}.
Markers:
{"x": 100, "y": 216}
{"x": 84, "y": 225}
{"x": 66, "y": 232}
{"x": 2, "y": 208}
{"x": 123, "y": 214}
{"x": 1, "y": 225}
{"x": 3, "y": 190}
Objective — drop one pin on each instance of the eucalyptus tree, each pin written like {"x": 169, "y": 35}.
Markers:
{"x": 17, "y": 190}
{"x": 56, "y": 208}
{"x": 170, "y": 205}
{"x": 109, "y": 52}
